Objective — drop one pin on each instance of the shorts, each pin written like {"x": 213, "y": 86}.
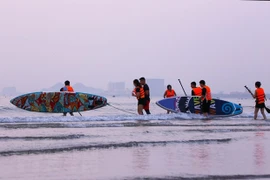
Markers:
{"x": 260, "y": 106}
{"x": 141, "y": 101}
{"x": 147, "y": 104}
{"x": 206, "y": 106}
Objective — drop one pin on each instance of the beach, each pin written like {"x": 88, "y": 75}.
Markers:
{"x": 110, "y": 143}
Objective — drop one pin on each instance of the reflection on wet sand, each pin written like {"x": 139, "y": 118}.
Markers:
{"x": 259, "y": 152}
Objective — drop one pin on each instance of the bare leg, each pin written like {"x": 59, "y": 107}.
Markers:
{"x": 147, "y": 111}
{"x": 140, "y": 109}
{"x": 256, "y": 113}
{"x": 263, "y": 114}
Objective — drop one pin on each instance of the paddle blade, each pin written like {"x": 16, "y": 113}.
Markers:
{"x": 267, "y": 109}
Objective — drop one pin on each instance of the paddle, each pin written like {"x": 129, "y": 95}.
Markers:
{"x": 184, "y": 91}
{"x": 267, "y": 109}
{"x": 182, "y": 87}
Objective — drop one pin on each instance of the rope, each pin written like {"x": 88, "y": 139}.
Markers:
{"x": 121, "y": 109}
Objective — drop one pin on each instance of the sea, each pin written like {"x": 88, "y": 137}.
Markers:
{"x": 113, "y": 142}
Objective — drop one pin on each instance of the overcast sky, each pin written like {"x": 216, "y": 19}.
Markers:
{"x": 224, "y": 42}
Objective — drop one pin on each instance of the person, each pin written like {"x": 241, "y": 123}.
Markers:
{"x": 205, "y": 98}
{"x": 169, "y": 93}
{"x": 259, "y": 95}
{"x": 146, "y": 89}
{"x": 138, "y": 92}
{"x": 67, "y": 88}
{"x": 196, "y": 91}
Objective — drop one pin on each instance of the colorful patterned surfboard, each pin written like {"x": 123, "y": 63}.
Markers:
{"x": 59, "y": 102}
{"x": 192, "y": 104}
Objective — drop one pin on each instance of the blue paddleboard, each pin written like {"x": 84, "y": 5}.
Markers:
{"x": 192, "y": 104}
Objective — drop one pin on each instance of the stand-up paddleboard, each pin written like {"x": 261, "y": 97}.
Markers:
{"x": 59, "y": 102}
{"x": 192, "y": 104}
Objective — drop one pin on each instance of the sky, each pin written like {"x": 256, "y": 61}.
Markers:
{"x": 94, "y": 42}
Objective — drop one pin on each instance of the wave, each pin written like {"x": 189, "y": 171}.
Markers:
{"x": 203, "y": 177}
{"x": 225, "y": 130}
{"x": 6, "y": 108}
{"x": 55, "y": 118}
{"x": 29, "y": 138}
{"x": 142, "y": 124}
{"x": 111, "y": 145}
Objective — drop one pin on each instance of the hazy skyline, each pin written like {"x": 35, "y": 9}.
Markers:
{"x": 226, "y": 43}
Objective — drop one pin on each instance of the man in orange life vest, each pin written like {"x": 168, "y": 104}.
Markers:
{"x": 196, "y": 91}
{"x": 138, "y": 92}
{"x": 169, "y": 93}
{"x": 68, "y": 88}
{"x": 259, "y": 95}
{"x": 206, "y": 98}
{"x": 147, "y": 95}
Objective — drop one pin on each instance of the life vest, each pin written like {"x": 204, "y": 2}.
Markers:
{"x": 197, "y": 91}
{"x": 68, "y": 88}
{"x": 260, "y": 95}
{"x": 170, "y": 93}
{"x": 142, "y": 94}
{"x": 208, "y": 95}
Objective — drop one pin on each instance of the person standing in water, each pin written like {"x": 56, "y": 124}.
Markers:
{"x": 206, "y": 98}
{"x": 196, "y": 91}
{"x": 67, "y": 88}
{"x": 259, "y": 95}
{"x": 169, "y": 93}
{"x": 138, "y": 92}
{"x": 146, "y": 89}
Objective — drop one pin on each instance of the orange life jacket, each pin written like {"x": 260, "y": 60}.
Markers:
{"x": 69, "y": 88}
{"x": 197, "y": 91}
{"x": 208, "y": 95}
{"x": 260, "y": 95}
{"x": 142, "y": 93}
{"x": 170, "y": 93}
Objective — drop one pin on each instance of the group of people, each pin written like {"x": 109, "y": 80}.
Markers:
{"x": 203, "y": 91}
{"x": 142, "y": 93}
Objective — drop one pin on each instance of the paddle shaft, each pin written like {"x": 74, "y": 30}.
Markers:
{"x": 182, "y": 87}
{"x": 249, "y": 91}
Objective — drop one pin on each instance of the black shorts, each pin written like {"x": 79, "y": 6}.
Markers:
{"x": 205, "y": 106}
{"x": 262, "y": 105}
{"x": 141, "y": 101}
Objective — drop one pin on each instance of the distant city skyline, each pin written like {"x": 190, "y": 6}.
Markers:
{"x": 129, "y": 85}
{"x": 80, "y": 87}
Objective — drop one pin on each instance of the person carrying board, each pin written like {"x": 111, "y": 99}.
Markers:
{"x": 206, "y": 98}
{"x": 196, "y": 91}
{"x": 67, "y": 88}
{"x": 169, "y": 93}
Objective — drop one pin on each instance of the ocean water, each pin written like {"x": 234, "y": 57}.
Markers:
{"x": 114, "y": 142}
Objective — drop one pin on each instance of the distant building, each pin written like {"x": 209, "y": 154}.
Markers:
{"x": 116, "y": 88}
{"x": 156, "y": 87}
